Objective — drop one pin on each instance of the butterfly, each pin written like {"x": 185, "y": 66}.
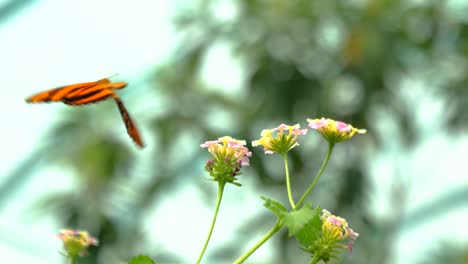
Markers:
{"x": 88, "y": 93}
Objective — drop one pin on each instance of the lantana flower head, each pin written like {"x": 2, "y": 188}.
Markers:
{"x": 280, "y": 139}
{"x": 76, "y": 242}
{"x": 335, "y": 230}
{"x": 334, "y": 131}
{"x": 229, "y": 156}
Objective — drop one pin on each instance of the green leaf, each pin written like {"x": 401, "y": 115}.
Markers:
{"x": 296, "y": 221}
{"x": 141, "y": 259}
{"x": 311, "y": 233}
{"x": 276, "y": 207}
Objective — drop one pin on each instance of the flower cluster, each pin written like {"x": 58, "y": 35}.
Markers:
{"x": 76, "y": 242}
{"x": 324, "y": 235}
{"x": 276, "y": 140}
{"x": 229, "y": 156}
{"x": 335, "y": 230}
{"x": 334, "y": 131}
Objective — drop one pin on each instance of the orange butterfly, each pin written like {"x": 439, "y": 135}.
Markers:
{"x": 87, "y": 93}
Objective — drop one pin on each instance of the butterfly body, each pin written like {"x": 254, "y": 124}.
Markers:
{"x": 88, "y": 93}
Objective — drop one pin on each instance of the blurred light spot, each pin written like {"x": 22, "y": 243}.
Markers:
{"x": 252, "y": 30}
{"x": 346, "y": 94}
{"x": 331, "y": 34}
{"x": 451, "y": 68}
{"x": 220, "y": 120}
{"x": 418, "y": 27}
{"x": 313, "y": 63}
{"x": 457, "y": 10}
{"x": 302, "y": 32}
{"x": 357, "y": 3}
{"x": 221, "y": 71}
{"x": 281, "y": 47}
{"x": 225, "y": 11}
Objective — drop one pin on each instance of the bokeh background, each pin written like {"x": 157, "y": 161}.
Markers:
{"x": 198, "y": 70}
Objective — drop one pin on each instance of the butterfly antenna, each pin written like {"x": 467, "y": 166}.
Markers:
{"x": 112, "y": 76}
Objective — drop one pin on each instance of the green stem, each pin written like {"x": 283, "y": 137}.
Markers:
{"x": 72, "y": 260}
{"x": 267, "y": 236}
{"x": 317, "y": 177}
{"x": 288, "y": 181}
{"x": 221, "y": 185}
{"x": 315, "y": 259}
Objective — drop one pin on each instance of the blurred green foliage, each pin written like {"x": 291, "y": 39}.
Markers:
{"x": 447, "y": 252}
{"x": 347, "y": 60}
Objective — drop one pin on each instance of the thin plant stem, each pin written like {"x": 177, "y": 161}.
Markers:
{"x": 315, "y": 259}
{"x": 221, "y": 185}
{"x": 317, "y": 177}
{"x": 72, "y": 260}
{"x": 288, "y": 181}
{"x": 267, "y": 236}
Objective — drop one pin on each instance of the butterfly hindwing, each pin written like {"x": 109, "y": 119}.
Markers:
{"x": 129, "y": 124}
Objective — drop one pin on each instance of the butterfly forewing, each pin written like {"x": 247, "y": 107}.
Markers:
{"x": 78, "y": 94}
{"x": 88, "y": 97}
{"x": 56, "y": 94}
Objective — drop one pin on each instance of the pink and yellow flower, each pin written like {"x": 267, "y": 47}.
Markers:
{"x": 76, "y": 242}
{"x": 334, "y": 131}
{"x": 280, "y": 139}
{"x": 336, "y": 229}
{"x": 229, "y": 156}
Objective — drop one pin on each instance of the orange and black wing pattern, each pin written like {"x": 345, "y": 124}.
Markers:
{"x": 129, "y": 124}
{"x": 78, "y": 94}
{"x": 88, "y": 93}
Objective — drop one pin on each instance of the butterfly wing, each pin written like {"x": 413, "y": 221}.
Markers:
{"x": 57, "y": 94}
{"x": 89, "y": 95}
{"x": 79, "y": 93}
{"x": 117, "y": 85}
{"x": 129, "y": 124}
